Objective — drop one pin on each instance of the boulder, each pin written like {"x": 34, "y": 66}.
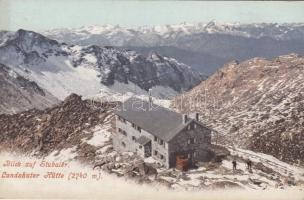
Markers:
{"x": 146, "y": 170}
{"x": 263, "y": 168}
{"x": 256, "y": 181}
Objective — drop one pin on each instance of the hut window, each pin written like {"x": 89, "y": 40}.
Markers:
{"x": 155, "y": 152}
{"x": 122, "y": 120}
{"x": 155, "y": 138}
{"x": 133, "y": 138}
{"x": 191, "y": 141}
{"x": 192, "y": 126}
{"x": 123, "y": 144}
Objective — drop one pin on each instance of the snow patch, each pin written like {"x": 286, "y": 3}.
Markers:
{"x": 101, "y": 135}
{"x": 63, "y": 155}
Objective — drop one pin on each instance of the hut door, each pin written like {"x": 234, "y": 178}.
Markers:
{"x": 148, "y": 150}
{"x": 190, "y": 157}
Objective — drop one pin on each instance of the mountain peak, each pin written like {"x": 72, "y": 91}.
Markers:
{"x": 154, "y": 56}
{"x": 21, "y": 31}
{"x": 26, "y": 40}
{"x": 212, "y": 23}
{"x": 73, "y": 98}
{"x": 26, "y": 33}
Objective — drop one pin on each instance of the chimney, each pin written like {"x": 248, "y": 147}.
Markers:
{"x": 196, "y": 116}
{"x": 150, "y": 96}
{"x": 185, "y": 118}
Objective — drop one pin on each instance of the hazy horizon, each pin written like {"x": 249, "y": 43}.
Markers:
{"x": 39, "y": 15}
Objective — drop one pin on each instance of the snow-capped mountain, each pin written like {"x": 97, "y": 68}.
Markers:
{"x": 18, "y": 94}
{"x": 63, "y": 69}
{"x": 151, "y": 36}
{"x": 256, "y": 104}
{"x": 203, "y": 46}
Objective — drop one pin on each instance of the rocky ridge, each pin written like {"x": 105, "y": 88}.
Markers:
{"x": 18, "y": 93}
{"x": 256, "y": 104}
{"x": 41, "y": 132}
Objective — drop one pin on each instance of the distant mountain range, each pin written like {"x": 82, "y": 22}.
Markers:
{"x": 60, "y": 69}
{"x": 256, "y": 104}
{"x": 204, "y": 46}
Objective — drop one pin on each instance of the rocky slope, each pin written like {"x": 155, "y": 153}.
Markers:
{"x": 80, "y": 130}
{"x": 267, "y": 172}
{"x": 256, "y": 104}
{"x": 18, "y": 93}
{"x": 211, "y": 44}
{"x": 63, "y": 69}
{"x": 41, "y": 132}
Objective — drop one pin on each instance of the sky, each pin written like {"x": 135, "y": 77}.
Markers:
{"x": 49, "y": 14}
